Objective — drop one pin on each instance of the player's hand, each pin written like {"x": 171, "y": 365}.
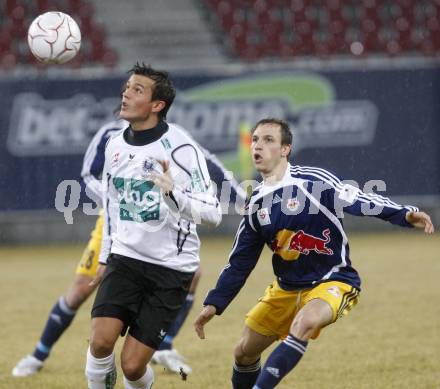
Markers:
{"x": 99, "y": 273}
{"x": 163, "y": 181}
{"x": 206, "y": 315}
{"x": 420, "y": 220}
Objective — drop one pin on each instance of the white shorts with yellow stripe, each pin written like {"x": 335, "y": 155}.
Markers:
{"x": 275, "y": 311}
{"x": 88, "y": 263}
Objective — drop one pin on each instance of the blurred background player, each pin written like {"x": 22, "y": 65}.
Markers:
{"x": 315, "y": 282}
{"x": 64, "y": 310}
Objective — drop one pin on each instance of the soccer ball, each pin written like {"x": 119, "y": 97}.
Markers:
{"x": 54, "y": 37}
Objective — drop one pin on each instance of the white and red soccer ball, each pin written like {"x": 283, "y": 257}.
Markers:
{"x": 54, "y": 38}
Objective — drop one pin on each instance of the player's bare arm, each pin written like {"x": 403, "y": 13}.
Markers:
{"x": 208, "y": 312}
{"x": 420, "y": 220}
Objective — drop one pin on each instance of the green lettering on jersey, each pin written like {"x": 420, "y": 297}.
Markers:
{"x": 139, "y": 200}
{"x": 166, "y": 143}
{"x": 197, "y": 184}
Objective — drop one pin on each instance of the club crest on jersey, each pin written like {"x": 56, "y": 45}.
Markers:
{"x": 263, "y": 216}
{"x": 292, "y": 204}
{"x": 148, "y": 166}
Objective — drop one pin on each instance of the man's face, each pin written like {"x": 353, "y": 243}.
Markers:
{"x": 267, "y": 151}
{"x": 136, "y": 104}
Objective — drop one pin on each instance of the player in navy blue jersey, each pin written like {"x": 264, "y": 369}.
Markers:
{"x": 296, "y": 212}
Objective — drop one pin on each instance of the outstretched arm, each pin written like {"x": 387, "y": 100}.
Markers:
{"x": 208, "y": 312}
{"x": 420, "y": 220}
{"x": 246, "y": 250}
{"x": 245, "y": 253}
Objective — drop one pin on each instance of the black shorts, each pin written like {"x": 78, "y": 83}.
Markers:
{"x": 146, "y": 297}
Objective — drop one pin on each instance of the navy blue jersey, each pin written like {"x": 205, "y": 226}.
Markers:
{"x": 93, "y": 161}
{"x": 300, "y": 220}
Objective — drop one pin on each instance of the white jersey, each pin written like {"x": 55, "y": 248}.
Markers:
{"x": 93, "y": 163}
{"x": 145, "y": 224}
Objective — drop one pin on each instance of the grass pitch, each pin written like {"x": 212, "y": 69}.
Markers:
{"x": 391, "y": 340}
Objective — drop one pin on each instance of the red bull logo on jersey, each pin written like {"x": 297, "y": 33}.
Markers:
{"x": 289, "y": 245}
{"x": 304, "y": 243}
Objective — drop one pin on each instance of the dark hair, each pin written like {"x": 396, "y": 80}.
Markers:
{"x": 163, "y": 87}
{"x": 286, "y": 134}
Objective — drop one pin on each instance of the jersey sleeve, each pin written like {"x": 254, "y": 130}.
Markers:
{"x": 246, "y": 251}
{"x": 350, "y": 199}
{"x": 370, "y": 204}
{"x": 196, "y": 201}
{"x": 93, "y": 164}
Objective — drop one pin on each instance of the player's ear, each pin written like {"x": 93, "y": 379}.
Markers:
{"x": 285, "y": 150}
{"x": 158, "y": 105}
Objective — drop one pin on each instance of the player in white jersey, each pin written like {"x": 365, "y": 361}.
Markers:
{"x": 156, "y": 188}
{"x": 67, "y": 305}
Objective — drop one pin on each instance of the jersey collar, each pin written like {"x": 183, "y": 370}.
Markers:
{"x": 145, "y": 137}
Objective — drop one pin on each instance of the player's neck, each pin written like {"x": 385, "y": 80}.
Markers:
{"x": 141, "y": 125}
{"x": 277, "y": 174}
{"x": 145, "y": 137}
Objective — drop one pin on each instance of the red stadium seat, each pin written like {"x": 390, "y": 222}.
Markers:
{"x": 329, "y": 27}
{"x": 8, "y": 60}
